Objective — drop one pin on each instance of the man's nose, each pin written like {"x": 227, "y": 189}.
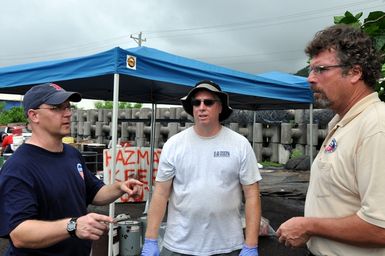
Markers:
{"x": 311, "y": 78}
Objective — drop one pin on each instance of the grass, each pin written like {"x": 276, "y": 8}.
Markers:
{"x": 271, "y": 164}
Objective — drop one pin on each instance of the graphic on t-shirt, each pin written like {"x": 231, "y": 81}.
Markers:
{"x": 221, "y": 154}
{"x": 80, "y": 170}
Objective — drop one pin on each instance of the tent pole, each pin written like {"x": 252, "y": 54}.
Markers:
{"x": 152, "y": 150}
{"x": 114, "y": 129}
{"x": 311, "y": 133}
{"x": 254, "y": 121}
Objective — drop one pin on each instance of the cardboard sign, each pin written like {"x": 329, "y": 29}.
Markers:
{"x": 131, "y": 162}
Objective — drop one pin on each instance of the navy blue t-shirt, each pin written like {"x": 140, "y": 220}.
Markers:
{"x": 42, "y": 185}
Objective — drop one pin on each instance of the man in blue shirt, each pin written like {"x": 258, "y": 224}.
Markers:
{"x": 45, "y": 186}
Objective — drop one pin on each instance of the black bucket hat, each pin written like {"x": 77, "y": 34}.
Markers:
{"x": 213, "y": 88}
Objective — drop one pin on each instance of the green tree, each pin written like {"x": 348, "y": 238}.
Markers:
{"x": 103, "y": 105}
{"x": 2, "y": 105}
{"x": 374, "y": 26}
{"x": 121, "y": 105}
{"x": 13, "y": 115}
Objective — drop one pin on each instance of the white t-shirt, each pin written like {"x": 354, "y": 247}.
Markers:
{"x": 204, "y": 207}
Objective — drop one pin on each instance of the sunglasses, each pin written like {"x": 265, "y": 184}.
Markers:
{"x": 207, "y": 102}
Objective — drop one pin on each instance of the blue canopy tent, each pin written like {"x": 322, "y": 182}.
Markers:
{"x": 148, "y": 75}
{"x": 286, "y": 78}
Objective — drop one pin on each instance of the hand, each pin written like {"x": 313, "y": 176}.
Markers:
{"x": 150, "y": 247}
{"x": 92, "y": 226}
{"x": 132, "y": 187}
{"x": 293, "y": 232}
{"x": 249, "y": 251}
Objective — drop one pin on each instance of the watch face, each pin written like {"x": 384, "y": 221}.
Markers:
{"x": 71, "y": 226}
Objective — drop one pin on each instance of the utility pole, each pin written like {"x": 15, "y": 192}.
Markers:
{"x": 138, "y": 39}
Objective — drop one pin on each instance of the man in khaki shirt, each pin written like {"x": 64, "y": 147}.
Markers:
{"x": 344, "y": 209}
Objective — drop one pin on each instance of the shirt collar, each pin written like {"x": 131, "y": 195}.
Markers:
{"x": 359, "y": 107}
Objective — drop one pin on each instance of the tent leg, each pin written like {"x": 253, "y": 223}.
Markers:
{"x": 114, "y": 142}
{"x": 152, "y": 150}
{"x": 311, "y": 133}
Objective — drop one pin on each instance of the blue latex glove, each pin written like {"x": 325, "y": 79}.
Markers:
{"x": 249, "y": 251}
{"x": 150, "y": 247}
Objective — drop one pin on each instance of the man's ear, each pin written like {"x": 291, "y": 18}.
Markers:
{"x": 32, "y": 116}
{"x": 356, "y": 74}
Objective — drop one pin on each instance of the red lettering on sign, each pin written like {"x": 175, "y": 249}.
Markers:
{"x": 110, "y": 176}
{"x": 120, "y": 158}
{"x": 107, "y": 157}
{"x": 129, "y": 173}
{"x": 156, "y": 156}
{"x": 133, "y": 162}
{"x": 130, "y": 153}
{"x": 143, "y": 155}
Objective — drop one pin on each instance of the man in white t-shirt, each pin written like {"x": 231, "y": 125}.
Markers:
{"x": 202, "y": 174}
{"x": 344, "y": 209}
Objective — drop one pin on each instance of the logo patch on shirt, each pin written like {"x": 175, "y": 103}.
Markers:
{"x": 332, "y": 146}
{"x": 221, "y": 154}
{"x": 80, "y": 170}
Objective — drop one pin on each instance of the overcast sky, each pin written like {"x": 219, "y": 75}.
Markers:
{"x": 248, "y": 35}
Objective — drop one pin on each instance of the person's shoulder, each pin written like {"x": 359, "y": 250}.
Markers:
{"x": 233, "y": 134}
{"x": 375, "y": 111}
{"x": 19, "y": 161}
{"x": 371, "y": 119}
{"x": 70, "y": 148}
{"x": 177, "y": 140}
{"x": 181, "y": 134}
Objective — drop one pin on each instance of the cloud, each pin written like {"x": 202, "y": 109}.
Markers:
{"x": 248, "y": 35}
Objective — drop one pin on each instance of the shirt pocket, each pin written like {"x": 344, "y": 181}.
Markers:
{"x": 324, "y": 180}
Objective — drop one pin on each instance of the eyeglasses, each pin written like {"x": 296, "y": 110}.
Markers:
{"x": 322, "y": 68}
{"x": 58, "y": 108}
{"x": 207, "y": 102}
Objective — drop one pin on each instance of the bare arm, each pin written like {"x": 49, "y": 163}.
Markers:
{"x": 158, "y": 208}
{"x": 350, "y": 230}
{"x": 253, "y": 213}
{"x": 109, "y": 193}
{"x": 40, "y": 234}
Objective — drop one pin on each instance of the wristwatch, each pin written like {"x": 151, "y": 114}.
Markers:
{"x": 71, "y": 227}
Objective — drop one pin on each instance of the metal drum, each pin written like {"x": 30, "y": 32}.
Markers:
{"x": 98, "y": 154}
{"x": 130, "y": 237}
{"x": 90, "y": 158}
{"x": 143, "y": 221}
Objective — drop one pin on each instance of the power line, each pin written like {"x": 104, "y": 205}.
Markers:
{"x": 261, "y": 22}
{"x": 243, "y": 25}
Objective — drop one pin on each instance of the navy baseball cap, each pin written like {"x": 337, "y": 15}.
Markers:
{"x": 48, "y": 93}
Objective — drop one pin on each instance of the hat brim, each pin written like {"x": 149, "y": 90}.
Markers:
{"x": 59, "y": 98}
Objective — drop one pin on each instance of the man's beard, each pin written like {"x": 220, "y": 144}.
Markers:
{"x": 321, "y": 101}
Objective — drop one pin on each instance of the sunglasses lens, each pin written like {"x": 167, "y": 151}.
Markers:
{"x": 208, "y": 102}
{"x": 195, "y": 102}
